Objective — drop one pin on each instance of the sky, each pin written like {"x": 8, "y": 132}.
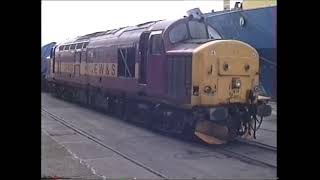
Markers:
{"x": 61, "y": 20}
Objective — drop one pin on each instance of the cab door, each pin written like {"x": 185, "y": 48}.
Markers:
{"x": 84, "y": 64}
{"x": 157, "y": 65}
{"x": 77, "y": 60}
{"x": 52, "y": 60}
{"x": 143, "y": 54}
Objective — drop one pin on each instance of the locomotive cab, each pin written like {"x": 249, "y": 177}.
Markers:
{"x": 223, "y": 84}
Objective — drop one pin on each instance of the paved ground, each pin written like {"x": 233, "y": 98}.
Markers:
{"x": 77, "y": 156}
{"x": 169, "y": 156}
{"x": 56, "y": 161}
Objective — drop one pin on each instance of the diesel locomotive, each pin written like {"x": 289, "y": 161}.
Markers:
{"x": 177, "y": 76}
{"x": 45, "y": 63}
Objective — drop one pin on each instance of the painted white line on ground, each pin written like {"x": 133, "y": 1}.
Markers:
{"x": 76, "y": 157}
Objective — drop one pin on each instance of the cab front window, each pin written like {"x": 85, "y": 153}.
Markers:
{"x": 192, "y": 30}
{"x": 179, "y": 33}
{"x": 197, "y": 30}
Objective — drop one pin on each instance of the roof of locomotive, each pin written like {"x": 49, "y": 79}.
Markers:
{"x": 125, "y": 32}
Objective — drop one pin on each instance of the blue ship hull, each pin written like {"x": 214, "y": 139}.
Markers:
{"x": 256, "y": 27}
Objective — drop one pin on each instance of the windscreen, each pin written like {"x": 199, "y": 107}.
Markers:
{"x": 197, "y": 30}
{"x": 179, "y": 33}
{"x": 192, "y": 30}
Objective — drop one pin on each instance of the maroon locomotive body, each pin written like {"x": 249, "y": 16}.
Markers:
{"x": 158, "y": 71}
{"x": 132, "y": 60}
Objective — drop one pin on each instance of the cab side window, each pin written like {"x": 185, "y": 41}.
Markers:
{"x": 156, "y": 44}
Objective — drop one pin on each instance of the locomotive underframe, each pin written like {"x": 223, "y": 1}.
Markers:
{"x": 223, "y": 122}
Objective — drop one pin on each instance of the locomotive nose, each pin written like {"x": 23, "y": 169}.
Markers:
{"x": 224, "y": 71}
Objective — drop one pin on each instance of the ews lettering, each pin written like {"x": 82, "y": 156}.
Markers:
{"x": 113, "y": 70}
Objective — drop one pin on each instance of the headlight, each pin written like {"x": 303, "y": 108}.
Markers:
{"x": 247, "y": 67}
{"x": 207, "y": 89}
{"x": 236, "y": 83}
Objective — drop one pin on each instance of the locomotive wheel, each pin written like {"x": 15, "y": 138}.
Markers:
{"x": 163, "y": 121}
{"x": 136, "y": 114}
{"x": 126, "y": 112}
{"x": 188, "y": 128}
{"x": 105, "y": 104}
{"x": 120, "y": 108}
{"x": 148, "y": 120}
